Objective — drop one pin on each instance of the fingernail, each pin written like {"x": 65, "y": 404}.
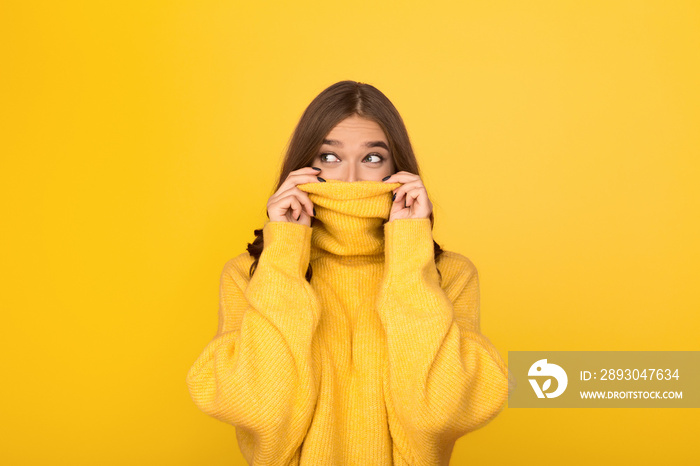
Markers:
{"x": 314, "y": 211}
{"x": 386, "y": 178}
{"x": 393, "y": 197}
{"x": 320, "y": 179}
{"x": 298, "y": 217}
{"x": 316, "y": 168}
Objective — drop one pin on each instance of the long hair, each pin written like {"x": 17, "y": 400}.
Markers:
{"x": 336, "y": 103}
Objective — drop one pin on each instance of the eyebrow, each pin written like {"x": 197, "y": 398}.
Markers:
{"x": 335, "y": 142}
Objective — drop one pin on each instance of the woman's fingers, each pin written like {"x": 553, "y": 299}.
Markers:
{"x": 301, "y": 196}
{"x": 288, "y": 207}
{"x": 294, "y": 207}
{"x": 285, "y": 209}
{"x": 303, "y": 175}
{"x": 290, "y": 203}
{"x": 401, "y": 177}
{"x": 404, "y": 188}
{"x": 411, "y": 198}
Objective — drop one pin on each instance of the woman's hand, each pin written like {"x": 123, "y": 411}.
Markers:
{"x": 291, "y": 204}
{"x": 411, "y": 198}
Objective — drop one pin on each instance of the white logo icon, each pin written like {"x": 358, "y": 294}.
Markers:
{"x": 542, "y": 368}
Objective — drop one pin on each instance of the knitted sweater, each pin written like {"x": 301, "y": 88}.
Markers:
{"x": 376, "y": 361}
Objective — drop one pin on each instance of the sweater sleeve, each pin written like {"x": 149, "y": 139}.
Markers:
{"x": 258, "y": 373}
{"x": 443, "y": 378}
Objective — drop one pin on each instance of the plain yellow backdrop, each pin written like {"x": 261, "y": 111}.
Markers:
{"x": 559, "y": 142}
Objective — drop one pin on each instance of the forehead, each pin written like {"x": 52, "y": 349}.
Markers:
{"x": 355, "y": 127}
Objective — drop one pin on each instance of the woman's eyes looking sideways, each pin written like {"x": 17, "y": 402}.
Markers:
{"x": 379, "y": 158}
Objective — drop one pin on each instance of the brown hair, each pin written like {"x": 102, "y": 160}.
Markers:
{"x": 336, "y": 103}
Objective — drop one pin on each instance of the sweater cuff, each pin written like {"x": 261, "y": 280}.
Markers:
{"x": 287, "y": 247}
{"x": 408, "y": 245}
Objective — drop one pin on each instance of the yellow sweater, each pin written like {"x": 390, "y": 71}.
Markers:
{"x": 374, "y": 362}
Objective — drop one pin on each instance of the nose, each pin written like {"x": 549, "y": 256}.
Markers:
{"x": 351, "y": 174}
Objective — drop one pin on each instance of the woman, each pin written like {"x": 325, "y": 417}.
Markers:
{"x": 346, "y": 334}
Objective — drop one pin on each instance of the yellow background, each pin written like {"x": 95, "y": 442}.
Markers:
{"x": 140, "y": 142}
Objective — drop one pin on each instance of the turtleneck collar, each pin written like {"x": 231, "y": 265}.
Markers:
{"x": 350, "y": 216}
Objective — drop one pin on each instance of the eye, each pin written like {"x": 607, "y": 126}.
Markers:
{"x": 381, "y": 159}
{"x": 324, "y": 154}
{"x": 378, "y": 158}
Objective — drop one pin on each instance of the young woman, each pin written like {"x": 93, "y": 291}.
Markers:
{"x": 346, "y": 334}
